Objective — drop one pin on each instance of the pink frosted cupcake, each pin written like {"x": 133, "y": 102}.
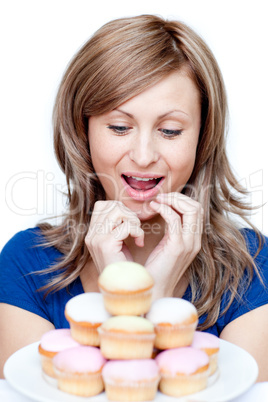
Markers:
{"x": 131, "y": 380}
{"x": 85, "y": 313}
{"x": 51, "y": 343}
{"x": 127, "y": 337}
{"x": 211, "y": 345}
{"x": 175, "y": 321}
{"x": 79, "y": 370}
{"x": 183, "y": 371}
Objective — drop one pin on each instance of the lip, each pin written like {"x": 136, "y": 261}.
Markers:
{"x": 143, "y": 175}
{"x": 139, "y": 195}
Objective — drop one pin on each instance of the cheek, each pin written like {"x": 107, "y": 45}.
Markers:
{"x": 104, "y": 156}
{"x": 181, "y": 165}
{"x": 99, "y": 149}
{"x": 98, "y": 155}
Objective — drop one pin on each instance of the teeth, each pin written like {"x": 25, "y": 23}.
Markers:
{"x": 142, "y": 178}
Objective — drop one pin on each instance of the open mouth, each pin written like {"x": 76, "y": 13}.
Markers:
{"x": 142, "y": 188}
{"x": 141, "y": 183}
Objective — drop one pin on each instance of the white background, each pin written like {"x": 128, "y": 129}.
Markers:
{"x": 39, "y": 37}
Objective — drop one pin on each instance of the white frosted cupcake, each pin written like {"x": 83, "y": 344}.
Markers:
{"x": 127, "y": 288}
{"x": 131, "y": 380}
{"x": 175, "y": 321}
{"x": 210, "y": 344}
{"x": 51, "y": 343}
{"x": 79, "y": 371}
{"x": 183, "y": 371}
{"x": 85, "y": 313}
{"x": 127, "y": 337}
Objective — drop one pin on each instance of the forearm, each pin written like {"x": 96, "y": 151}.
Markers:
{"x": 250, "y": 332}
{"x": 18, "y": 328}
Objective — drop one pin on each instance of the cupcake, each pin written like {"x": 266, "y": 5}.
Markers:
{"x": 79, "y": 370}
{"x": 85, "y": 313}
{"x": 175, "y": 321}
{"x": 127, "y": 288}
{"x": 210, "y": 344}
{"x": 131, "y": 380}
{"x": 183, "y": 371}
{"x": 50, "y": 344}
{"x": 127, "y": 337}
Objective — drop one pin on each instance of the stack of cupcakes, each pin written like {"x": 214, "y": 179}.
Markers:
{"x": 127, "y": 345}
{"x": 127, "y": 338}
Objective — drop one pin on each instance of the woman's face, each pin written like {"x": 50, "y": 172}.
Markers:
{"x": 147, "y": 145}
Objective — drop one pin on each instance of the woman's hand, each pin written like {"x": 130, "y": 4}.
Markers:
{"x": 181, "y": 243}
{"x": 111, "y": 223}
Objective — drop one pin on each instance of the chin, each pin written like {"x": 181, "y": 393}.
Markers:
{"x": 146, "y": 217}
{"x": 143, "y": 211}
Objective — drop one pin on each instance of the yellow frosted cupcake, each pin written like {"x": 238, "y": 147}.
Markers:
{"x": 175, "y": 321}
{"x": 127, "y": 288}
{"x": 127, "y": 337}
{"x": 85, "y": 313}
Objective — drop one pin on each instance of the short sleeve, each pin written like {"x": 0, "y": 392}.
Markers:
{"x": 256, "y": 294}
{"x": 19, "y": 284}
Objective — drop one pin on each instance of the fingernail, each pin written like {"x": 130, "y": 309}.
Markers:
{"x": 154, "y": 204}
{"x": 162, "y": 195}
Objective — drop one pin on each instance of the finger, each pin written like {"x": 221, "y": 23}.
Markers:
{"x": 100, "y": 210}
{"x": 179, "y": 201}
{"x": 191, "y": 211}
{"x": 112, "y": 214}
{"x": 172, "y": 218}
{"x": 126, "y": 229}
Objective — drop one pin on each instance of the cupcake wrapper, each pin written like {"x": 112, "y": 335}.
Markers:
{"x": 88, "y": 384}
{"x": 180, "y": 385}
{"x": 47, "y": 366}
{"x": 127, "y": 304}
{"x": 213, "y": 363}
{"x": 126, "y": 346}
{"x": 174, "y": 337}
{"x": 85, "y": 335}
{"x": 129, "y": 391}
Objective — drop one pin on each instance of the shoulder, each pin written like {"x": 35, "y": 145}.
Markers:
{"x": 254, "y": 293}
{"x": 25, "y": 250}
{"x": 21, "y": 260}
{"x": 255, "y": 241}
{"x": 25, "y": 238}
{"x": 257, "y": 245}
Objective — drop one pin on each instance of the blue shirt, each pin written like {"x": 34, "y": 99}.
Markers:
{"x": 19, "y": 285}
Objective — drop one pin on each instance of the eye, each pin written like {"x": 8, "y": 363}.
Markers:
{"x": 170, "y": 133}
{"x": 120, "y": 130}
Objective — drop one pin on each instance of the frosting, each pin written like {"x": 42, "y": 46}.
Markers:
{"x": 171, "y": 310}
{"x": 128, "y": 323}
{"x": 79, "y": 360}
{"x": 125, "y": 276}
{"x": 57, "y": 340}
{"x": 204, "y": 340}
{"x": 133, "y": 370}
{"x": 186, "y": 360}
{"x": 87, "y": 307}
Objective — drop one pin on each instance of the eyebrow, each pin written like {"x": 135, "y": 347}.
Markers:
{"x": 160, "y": 117}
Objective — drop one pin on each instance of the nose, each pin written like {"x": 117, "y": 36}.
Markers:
{"x": 144, "y": 150}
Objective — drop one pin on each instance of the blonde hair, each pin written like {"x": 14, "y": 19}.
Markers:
{"x": 121, "y": 60}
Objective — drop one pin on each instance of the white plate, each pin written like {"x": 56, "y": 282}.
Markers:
{"x": 237, "y": 372}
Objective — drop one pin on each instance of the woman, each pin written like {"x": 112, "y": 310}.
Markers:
{"x": 139, "y": 131}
